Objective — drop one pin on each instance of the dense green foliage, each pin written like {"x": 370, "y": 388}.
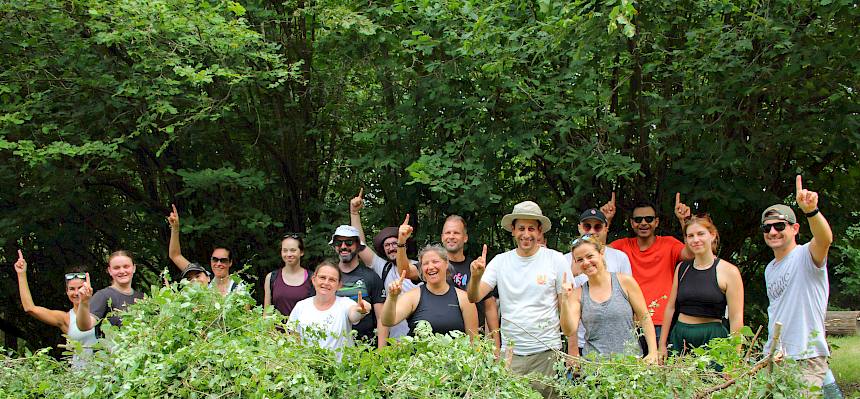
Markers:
{"x": 258, "y": 117}
{"x": 186, "y": 341}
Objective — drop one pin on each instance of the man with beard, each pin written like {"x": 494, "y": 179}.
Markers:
{"x": 653, "y": 258}
{"x": 385, "y": 266}
{"x": 347, "y": 245}
{"x": 454, "y": 238}
{"x": 797, "y": 284}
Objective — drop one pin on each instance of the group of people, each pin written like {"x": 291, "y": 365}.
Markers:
{"x": 646, "y": 295}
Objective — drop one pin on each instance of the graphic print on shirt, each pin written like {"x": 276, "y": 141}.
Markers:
{"x": 461, "y": 280}
{"x": 351, "y": 290}
{"x": 775, "y": 290}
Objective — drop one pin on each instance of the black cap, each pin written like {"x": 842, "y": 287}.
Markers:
{"x": 193, "y": 267}
{"x": 592, "y": 213}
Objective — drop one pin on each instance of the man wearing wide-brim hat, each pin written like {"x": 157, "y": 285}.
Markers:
{"x": 534, "y": 284}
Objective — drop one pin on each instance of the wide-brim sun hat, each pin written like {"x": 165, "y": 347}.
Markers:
{"x": 345, "y": 230}
{"x": 526, "y": 210}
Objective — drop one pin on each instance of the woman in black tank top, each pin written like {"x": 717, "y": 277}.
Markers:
{"x": 702, "y": 290}
{"x": 444, "y": 306}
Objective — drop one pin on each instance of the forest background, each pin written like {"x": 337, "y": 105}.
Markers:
{"x": 258, "y": 118}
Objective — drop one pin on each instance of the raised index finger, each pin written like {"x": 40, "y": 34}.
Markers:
{"x": 484, "y": 253}
{"x": 174, "y": 209}
{"x": 361, "y": 192}
{"x": 677, "y": 199}
{"x": 406, "y": 221}
{"x": 798, "y": 182}
{"x": 20, "y": 255}
{"x": 612, "y": 200}
{"x": 88, "y": 278}
{"x": 402, "y": 276}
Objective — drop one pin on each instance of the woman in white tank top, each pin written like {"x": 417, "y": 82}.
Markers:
{"x": 65, "y": 321}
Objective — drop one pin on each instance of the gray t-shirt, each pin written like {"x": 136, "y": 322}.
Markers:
{"x": 798, "y": 292}
{"x": 378, "y": 266}
{"x": 108, "y": 299}
{"x": 616, "y": 262}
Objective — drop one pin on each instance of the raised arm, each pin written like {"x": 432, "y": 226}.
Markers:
{"x": 174, "y": 251}
{"x": 643, "y": 317}
{"x": 475, "y": 288}
{"x": 609, "y": 210}
{"x": 566, "y": 299}
{"x": 84, "y": 319}
{"x": 396, "y": 309}
{"x": 683, "y": 213}
{"x": 403, "y": 263}
{"x": 355, "y": 205}
{"x": 822, "y": 235}
{"x": 55, "y": 318}
{"x": 359, "y": 310}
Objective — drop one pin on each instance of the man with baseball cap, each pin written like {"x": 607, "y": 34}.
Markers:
{"x": 593, "y": 222}
{"x": 534, "y": 286}
{"x": 347, "y": 244}
{"x": 797, "y": 284}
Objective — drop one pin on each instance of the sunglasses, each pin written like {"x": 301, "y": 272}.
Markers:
{"x": 338, "y": 243}
{"x": 216, "y": 259}
{"x": 597, "y": 227}
{"x": 72, "y": 276}
{"x": 294, "y": 236}
{"x": 584, "y": 238}
{"x": 647, "y": 219}
{"x": 779, "y": 226}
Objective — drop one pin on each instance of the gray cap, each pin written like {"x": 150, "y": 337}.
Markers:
{"x": 345, "y": 230}
{"x": 193, "y": 267}
{"x": 779, "y": 212}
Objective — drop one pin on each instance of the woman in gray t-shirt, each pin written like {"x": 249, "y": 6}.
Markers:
{"x": 609, "y": 304}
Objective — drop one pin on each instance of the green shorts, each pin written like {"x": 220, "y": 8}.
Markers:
{"x": 687, "y": 336}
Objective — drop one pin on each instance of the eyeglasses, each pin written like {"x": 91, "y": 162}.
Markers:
{"x": 779, "y": 226}
{"x": 72, "y": 276}
{"x": 338, "y": 243}
{"x": 584, "y": 238}
{"x": 294, "y": 236}
{"x": 216, "y": 259}
{"x": 392, "y": 244}
{"x": 647, "y": 219}
{"x": 597, "y": 227}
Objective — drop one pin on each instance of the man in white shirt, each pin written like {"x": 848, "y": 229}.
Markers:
{"x": 534, "y": 288}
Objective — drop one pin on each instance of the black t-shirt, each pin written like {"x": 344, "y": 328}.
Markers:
{"x": 366, "y": 281}
{"x": 460, "y": 279}
{"x": 107, "y": 300}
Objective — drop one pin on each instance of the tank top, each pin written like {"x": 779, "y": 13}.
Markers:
{"x": 285, "y": 296}
{"x": 86, "y": 338}
{"x": 609, "y": 324}
{"x": 441, "y": 311}
{"x": 699, "y": 293}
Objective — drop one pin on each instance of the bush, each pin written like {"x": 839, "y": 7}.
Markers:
{"x": 186, "y": 341}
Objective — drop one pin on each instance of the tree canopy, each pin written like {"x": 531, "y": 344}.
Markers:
{"x": 262, "y": 117}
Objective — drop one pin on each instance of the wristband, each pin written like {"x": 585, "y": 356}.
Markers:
{"x": 399, "y": 245}
{"x": 812, "y": 213}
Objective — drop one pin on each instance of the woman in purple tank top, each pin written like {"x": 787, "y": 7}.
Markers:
{"x": 285, "y": 287}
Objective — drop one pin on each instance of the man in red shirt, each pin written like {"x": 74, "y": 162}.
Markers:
{"x": 653, "y": 258}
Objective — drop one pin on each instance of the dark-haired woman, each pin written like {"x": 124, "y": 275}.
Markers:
{"x": 702, "y": 290}
{"x": 285, "y": 287}
{"x": 65, "y": 321}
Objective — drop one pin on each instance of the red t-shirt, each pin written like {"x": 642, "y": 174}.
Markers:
{"x": 653, "y": 269}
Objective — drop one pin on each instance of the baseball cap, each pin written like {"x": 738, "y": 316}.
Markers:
{"x": 779, "y": 212}
{"x": 592, "y": 213}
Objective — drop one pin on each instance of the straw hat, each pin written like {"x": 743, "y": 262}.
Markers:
{"x": 526, "y": 210}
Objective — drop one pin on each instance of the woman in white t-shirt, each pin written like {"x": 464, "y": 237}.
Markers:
{"x": 326, "y": 318}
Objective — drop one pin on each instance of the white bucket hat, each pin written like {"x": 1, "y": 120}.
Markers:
{"x": 526, "y": 210}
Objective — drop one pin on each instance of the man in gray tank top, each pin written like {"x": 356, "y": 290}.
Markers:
{"x": 797, "y": 284}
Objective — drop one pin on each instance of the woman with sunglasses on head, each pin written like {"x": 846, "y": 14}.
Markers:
{"x": 288, "y": 285}
{"x": 702, "y": 290}
{"x": 65, "y": 321}
{"x": 445, "y": 307}
{"x": 608, "y": 305}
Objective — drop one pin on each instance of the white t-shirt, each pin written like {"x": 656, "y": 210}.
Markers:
{"x": 333, "y": 323}
{"x": 798, "y": 293}
{"x": 378, "y": 265}
{"x": 616, "y": 262}
{"x": 528, "y": 293}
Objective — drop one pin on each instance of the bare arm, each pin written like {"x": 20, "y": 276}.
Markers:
{"x": 565, "y": 299}
{"x": 668, "y": 315}
{"x": 476, "y": 289}
{"x": 734, "y": 296}
{"x": 403, "y": 263}
{"x": 469, "y": 311}
{"x": 51, "y": 317}
{"x": 822, "y": 235}
{"x": 637, "y": 302}
{"x": 575, "y": 310}
{"x": 396, "y": 309}
{"x": 84, "y": 319}
{"x": 683, "y": 213}
{"x": 381, "y": 329}
{"x": 358, "y": 311}
{"x": 267, "y": 294}
{"x": 355, "y": 204}
{"x": 491, "y": 318}
{"x": 174, "y": 251}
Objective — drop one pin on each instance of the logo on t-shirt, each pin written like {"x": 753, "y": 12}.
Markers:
{"x": 460, "y": 279}
{"x": 541, "y": 279}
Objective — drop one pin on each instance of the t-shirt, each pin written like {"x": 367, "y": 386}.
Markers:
{"x": 108, "y": 299}
{"x": 378, "y": 265}
{"x": 653, "y": 269}
{"x": 616, "y": 262}
{"x": 528, "y": 296}
{"x": 798, "y": 293}
{"x": 332, "y": 324}
{"x": 460, "y": 279}
{"x": 362, "y": 279}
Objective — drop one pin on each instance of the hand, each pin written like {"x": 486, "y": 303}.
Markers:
{"x": 806, "y": 200}
{"x": 173, "y": 218}
{"x": 357, "y": 202}
{"x": 85, "y": 292}
{"x": 663, "y": 355}
{"x": 396, "y": 286}
{"x": 478, "y": 265}
{"x": 566, "y": 288}
{"x": 363, "y": 306}
{"x": 404, "y": 232}
{"x": 682, "y": 211}
{"x": 20, "y": 264}
{"x": 652, "y": 358}
{"x": 609, "y": 209}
